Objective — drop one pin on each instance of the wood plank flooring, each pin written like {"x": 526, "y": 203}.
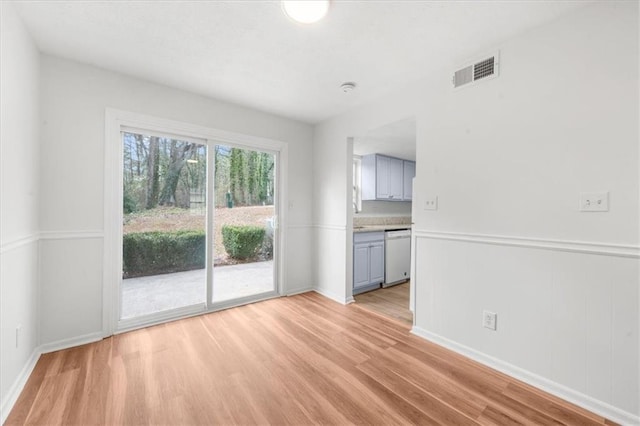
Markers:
{"x": 391, "y": 301}
{"x": 294, "y": 360}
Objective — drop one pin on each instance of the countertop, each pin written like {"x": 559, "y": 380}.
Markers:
{"x": 374, "y": 228}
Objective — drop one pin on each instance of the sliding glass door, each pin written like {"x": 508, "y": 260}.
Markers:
{"x": 199, "y": 227}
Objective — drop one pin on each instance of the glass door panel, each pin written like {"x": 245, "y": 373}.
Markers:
{"x": 164, "y": 224}
{"x": 244, "y": 219}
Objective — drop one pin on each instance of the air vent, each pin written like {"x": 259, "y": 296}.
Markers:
{"x": 463, "y": 76}
{"x": 480, "y": 70}
{"x": 484, "y": 68}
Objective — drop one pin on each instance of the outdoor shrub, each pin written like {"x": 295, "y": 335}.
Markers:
{"x": 152, "y": 253}
{"x": 129, "y": 205}
{"x": 266, "y": 251}
{"x": 242, "y": 242}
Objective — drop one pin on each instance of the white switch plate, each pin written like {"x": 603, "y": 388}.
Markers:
{"x": 594, "y": 201}
{"x": 489, "y": 320}
{"x": 431, "y": 203}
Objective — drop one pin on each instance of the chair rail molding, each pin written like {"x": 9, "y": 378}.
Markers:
{"x": 587, "y": 247}
{"x": 331, "y": 227}
{"x": 71, "y": 235}
{"x": 16, "y": 243}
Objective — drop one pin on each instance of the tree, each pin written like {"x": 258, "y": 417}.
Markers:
{"x": 171, "y": 172}
{"x": 265, "y": 181}
{"x": 237, "y": 176}
{"x": 179, "y": 152}
{"x": 153, "y": 175}
{"x": 253, "y": 179}
{"x": 221, "y": 178}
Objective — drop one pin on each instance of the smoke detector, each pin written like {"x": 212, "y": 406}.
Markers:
{"x": 348, "y": 86}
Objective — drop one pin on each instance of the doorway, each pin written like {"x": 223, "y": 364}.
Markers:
{"x": 198, "y": 228}
{"x": 382, "y": 208}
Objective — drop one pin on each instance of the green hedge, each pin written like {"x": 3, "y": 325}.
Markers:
{"x": 152, "y": 253}
{"x": 242, "y": 242}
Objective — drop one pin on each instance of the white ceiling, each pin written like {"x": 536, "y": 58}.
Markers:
{"x": 248, "y": 52}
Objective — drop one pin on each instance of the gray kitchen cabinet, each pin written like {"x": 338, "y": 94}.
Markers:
{"x": 376, "y": 266}
{"x": 383, "y": 178}
{"x": 361, "y": 256}
{"x": 388, "y": 178}
{"x": 368, "y": 261}
{"x": 409, "y": 172}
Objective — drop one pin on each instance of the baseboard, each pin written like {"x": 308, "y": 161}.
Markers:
{"x": 299, "y": 290}
{"x": 70, "y": 343}
{"x": 334, "y": 297}
{"x": 14, "y": 392}
{"x": 601, "y": 408}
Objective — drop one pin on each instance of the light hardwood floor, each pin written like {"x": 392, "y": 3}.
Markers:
{"x": 392, "y": 302}
{"x": 293, "y": 360}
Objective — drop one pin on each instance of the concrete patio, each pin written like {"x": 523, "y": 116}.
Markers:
{"x": 155, "y": 293}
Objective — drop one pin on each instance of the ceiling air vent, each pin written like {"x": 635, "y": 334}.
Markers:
{"x": 463, "y": 76}
{"x": 480, "y": 70}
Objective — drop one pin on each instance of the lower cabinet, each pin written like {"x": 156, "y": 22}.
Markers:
{"x": 368, "y": 261}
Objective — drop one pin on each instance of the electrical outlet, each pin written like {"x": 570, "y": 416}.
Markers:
{"x": 431, "y": 203}
{"x": 489, "y": 320}
{"x": 594, "y": 202}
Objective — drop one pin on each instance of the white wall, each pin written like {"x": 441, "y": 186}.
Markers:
{"x": 19, "y": 192}
{"x": 74, "y": 98}
{"x": 507, "y": 159}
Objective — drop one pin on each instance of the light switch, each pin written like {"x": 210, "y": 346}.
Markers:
{"x": 594, "y": 201}
{"x": 431, "y": 203}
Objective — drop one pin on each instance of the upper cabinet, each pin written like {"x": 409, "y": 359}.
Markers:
{"x": 387, "y": 178}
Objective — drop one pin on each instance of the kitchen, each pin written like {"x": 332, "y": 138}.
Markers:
{"x": 383, "y": 171}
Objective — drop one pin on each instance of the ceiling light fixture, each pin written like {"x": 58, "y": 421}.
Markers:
{"x": 305, "y": 12}
{"x": 348, "y": 86}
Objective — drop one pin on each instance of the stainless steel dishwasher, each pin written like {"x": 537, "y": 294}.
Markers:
{"x": 397, "y": 256}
